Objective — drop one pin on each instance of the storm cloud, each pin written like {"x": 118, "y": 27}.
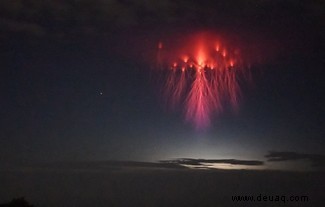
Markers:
{"x": 317, "y": 160}
{"x": 91, "y": 17}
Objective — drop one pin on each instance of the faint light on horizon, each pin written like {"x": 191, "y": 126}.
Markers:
{"x": 224, "y": 166}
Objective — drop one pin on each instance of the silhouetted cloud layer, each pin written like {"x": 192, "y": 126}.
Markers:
{"x": 177, "y": 164}
{"x": 202, "y": 162}
{"x": 317, "y": 160}
{"x": 106, "y": 165}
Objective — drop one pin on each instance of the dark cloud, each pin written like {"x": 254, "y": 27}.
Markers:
{"x": 77, "y": 17}
{"x": 201, "y": 162}
{"x": 102, "y": 165}
{"x": 131, "y": 165}
{"x": 317, "y": 160}
{"x": 84, "y": 16}
{"x": 20, "y": 26}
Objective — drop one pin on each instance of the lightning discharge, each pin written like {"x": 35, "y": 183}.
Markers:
{"x": 202, "y": 76}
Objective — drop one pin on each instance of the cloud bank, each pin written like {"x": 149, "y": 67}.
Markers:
{"x": 317, "y": 160}
{"x": 215, "y": 163}
{"x": 89, "y": 17}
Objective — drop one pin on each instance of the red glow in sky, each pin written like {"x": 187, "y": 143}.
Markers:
{"x": 202, "y": 76}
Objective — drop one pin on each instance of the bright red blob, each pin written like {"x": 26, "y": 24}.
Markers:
{"x": 202, "y": 76}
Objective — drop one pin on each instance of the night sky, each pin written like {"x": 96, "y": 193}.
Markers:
{"x": 77, "y": 82}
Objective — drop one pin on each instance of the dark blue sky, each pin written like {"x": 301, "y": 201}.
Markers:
{"x": 72, "y": 90}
